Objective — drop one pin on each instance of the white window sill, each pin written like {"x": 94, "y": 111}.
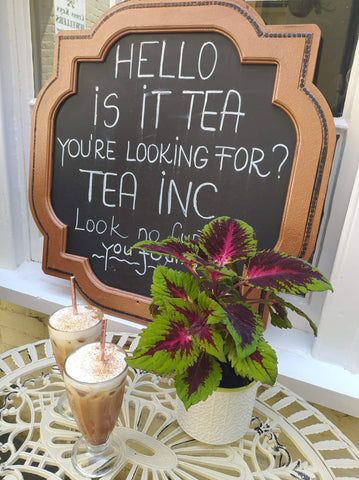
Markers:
{"x": 314, "y": 380}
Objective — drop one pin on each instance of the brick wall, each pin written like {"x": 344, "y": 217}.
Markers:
{"x": 43, "y": 24}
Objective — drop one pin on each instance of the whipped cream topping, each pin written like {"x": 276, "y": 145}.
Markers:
{"x": 84, "y": 364}
{"x": 65, "y": 320}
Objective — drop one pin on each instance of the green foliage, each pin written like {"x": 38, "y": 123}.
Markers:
{"x": 209, "y": 315}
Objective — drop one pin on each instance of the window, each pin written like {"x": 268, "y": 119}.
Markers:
{"x": 50, "y": 16}
{"x": 338, "y": 21}
{"x": 47, "y": 18}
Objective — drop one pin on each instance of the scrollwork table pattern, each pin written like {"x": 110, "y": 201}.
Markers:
{"x": 288, "y": 438}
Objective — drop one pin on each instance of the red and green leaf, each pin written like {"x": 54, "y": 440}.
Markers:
{"x": 199, "y": 381}
{"x": 281, "y": 305}
{"x": 172, "y": 247}
{"x": 261, "y": 365}
{"x": 227, "y": 240}
{"x": 279, "y": 316}
{"x": 177, "y": 336}
{"x": 214, "y": 275}
{"x": 282, "y": 273}
{"x": 202, "y": 318}
{"x": 244, "y": 325}
{"x": 170, "y": 284}
{"x": 166, "y": 346}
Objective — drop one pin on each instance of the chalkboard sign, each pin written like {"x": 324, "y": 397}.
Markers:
{"x": 170, "y": 131}
{"x": 153, "y": 130}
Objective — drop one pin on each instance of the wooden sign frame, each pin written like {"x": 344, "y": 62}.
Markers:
{"x": 292, "y": 48}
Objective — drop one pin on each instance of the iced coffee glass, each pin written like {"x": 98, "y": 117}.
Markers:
{"x": 95, "y": 391}
{"x": 68, "y": 331}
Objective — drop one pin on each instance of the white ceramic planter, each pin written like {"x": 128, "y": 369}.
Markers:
{"x": 223, "y": 418}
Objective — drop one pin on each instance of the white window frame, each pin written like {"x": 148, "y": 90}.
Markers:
{"x": 306, "y": 365}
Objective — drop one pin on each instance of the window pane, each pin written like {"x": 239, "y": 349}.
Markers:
{"x": 338, "y": 21}
{"x": 50, "y": 16}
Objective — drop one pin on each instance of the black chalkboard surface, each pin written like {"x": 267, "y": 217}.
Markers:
{"x": 162, "y": 117}
{"x": 170, "y": 131}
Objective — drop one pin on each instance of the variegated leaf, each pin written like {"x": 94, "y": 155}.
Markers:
{"x": 282, "y": 273}
{"x": 199, "y": 381}
{"x": 261, "y": 365}
{"x": 168, "y": 284}
{"x": 227, "y": 240}
{"x": 244, "y": 324}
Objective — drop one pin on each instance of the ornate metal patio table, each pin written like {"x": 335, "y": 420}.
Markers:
{"x": 287, "y": 439}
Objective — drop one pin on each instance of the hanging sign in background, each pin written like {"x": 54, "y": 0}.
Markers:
{"x": 70, "y": 15}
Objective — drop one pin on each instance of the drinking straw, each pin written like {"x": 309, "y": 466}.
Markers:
{"x": 73, "y": 295}
{"x": 103, "y": 339}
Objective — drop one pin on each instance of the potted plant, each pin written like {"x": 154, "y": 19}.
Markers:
{"x": 207, "y": 324}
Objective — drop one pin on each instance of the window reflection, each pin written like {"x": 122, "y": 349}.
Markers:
{"x": 48, "y": 16}
{"x": 338, "y": 21}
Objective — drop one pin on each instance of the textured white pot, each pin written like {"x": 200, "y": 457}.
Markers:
{"x": 223, "y": 418}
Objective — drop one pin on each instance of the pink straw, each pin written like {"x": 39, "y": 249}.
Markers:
{"x": 73, "y": 295}
{"x": 103, "y": 339}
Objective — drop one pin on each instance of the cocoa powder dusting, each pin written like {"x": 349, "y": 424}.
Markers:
{"x": 87, "y": 316}
{"x": 85, "y": 364}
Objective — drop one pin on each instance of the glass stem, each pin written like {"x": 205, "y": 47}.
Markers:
{"x": 96, "y": 449}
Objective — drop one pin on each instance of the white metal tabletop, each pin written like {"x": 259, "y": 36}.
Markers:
{"x": 287, "y": 439}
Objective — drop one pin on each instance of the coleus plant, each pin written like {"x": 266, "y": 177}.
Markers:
{"x": 210, "y": 315}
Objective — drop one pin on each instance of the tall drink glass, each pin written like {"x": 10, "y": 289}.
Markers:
{"x": 68, "y": 331}
{"x": 95, "y": 391}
